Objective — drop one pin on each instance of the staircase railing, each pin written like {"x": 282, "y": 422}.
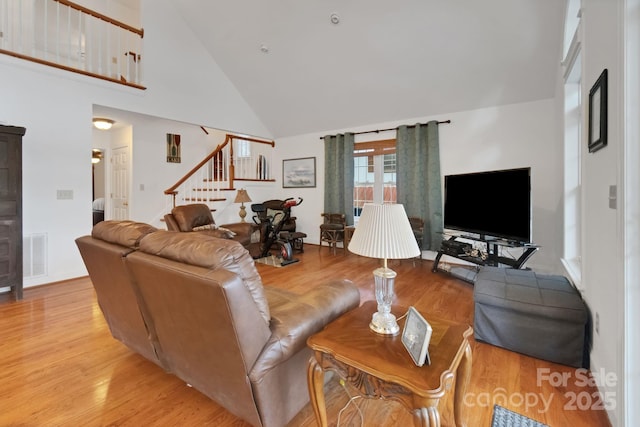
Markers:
{"x": 66, "y": 35}
{"x": 238, "y": 158}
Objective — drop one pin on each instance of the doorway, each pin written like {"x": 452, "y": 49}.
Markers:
{"x": 120, "y": 183}
{"x": 98, "y": 184}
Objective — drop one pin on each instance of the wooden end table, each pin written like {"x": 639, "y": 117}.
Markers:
{"x": 379, "y": 366}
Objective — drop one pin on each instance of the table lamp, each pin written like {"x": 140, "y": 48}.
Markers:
{"x": 242, "y": 197}
{"x": 383, "y": 231}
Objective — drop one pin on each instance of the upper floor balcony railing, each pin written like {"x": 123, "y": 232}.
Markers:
{"x": 66, "y": 35}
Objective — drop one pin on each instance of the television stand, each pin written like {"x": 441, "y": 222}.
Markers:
{"x": 458, "y": 246}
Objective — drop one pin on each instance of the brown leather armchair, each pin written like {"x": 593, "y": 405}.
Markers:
{"x": 197, "y": 217}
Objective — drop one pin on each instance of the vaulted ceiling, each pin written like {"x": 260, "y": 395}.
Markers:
{"x": 383, "y": 61}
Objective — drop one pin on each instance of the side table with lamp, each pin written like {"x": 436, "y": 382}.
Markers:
{"x": 374, "y": 359}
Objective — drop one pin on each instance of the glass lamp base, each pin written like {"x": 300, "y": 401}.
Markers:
{"x": 383, "y": 322}
{"x": 385, "y": 325}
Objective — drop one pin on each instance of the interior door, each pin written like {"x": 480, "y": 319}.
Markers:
{"x": 120, "y": 183}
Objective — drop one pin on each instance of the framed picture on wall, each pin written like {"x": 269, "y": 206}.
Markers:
{"x": 299, "y": 173}
{"x": 598, "y": 114}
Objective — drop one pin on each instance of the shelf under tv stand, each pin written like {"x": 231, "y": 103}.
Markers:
{"x": 457, "y": 246}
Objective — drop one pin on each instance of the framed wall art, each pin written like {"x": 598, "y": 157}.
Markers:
{"x": 598, "y": 114}
{"x": 173, "y": 148}
{"x": 299, "y": 173}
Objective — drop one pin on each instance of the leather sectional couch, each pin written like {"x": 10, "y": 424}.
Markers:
{"x": 195, "y": 305}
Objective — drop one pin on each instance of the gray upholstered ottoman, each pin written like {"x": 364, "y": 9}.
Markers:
{"x": 538, "y": 315}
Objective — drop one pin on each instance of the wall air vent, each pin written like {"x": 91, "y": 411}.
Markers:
{"x": 34, "y": 252}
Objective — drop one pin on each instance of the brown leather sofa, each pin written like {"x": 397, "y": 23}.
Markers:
{"x": 198, "y": 217}
{"x": 196, "y": 306}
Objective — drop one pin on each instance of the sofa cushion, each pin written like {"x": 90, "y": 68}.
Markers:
{"x": 215, "y": 231}
{"x": 296, "y": 317}
{"x": 189, "y": 216}
{"x": 205, "y": 227}
{"x": 123, "y": 233}
{"x": 209, "y": 252}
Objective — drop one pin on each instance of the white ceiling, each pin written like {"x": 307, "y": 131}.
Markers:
{"x": 385, "y": 60}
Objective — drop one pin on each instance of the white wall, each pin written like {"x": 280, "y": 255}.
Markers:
{"x": 631, "y": 160}
{"x": 183, "y": 83}
{"x": 603, "y": 227}
{"x": 632, "y": 211}
{"x": 511, "y": 136}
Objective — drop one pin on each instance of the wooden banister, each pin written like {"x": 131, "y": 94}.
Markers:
{"x": 105, "y": 18}
{"x": 227, "y": 141}
{"x": 71, "y": 69}
{"x": 172, "y": 189}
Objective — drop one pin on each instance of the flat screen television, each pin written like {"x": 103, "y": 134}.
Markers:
{"x": 494, "y": 204}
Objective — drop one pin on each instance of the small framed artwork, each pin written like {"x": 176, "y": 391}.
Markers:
{"x": 598, "y": 114}
{"x": 173, "y": 148}
{"x": 299, "y": 173}
{"x": 416, "y": 335}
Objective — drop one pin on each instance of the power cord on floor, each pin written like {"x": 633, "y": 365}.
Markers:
{"x": 351, "y": 399}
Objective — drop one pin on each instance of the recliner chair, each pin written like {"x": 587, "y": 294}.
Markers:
{"x": 198, "y": 217}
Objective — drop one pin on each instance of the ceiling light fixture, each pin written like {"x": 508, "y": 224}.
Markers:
{"x": 335, "y": 19}
{"x": 102, "y": 123}
{"x": 96, "y": 156}
{"x": 264, "y": 48}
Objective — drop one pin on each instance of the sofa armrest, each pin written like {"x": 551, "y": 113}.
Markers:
{"x": 243, "y": 231}
{"x": 294, "y": 318}
{"x": 243, "y": 228}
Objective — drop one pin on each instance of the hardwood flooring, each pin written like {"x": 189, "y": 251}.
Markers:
{"x": 59, "y": 365}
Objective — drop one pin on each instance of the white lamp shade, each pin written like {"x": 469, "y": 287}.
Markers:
{"x": 384, "y": 232}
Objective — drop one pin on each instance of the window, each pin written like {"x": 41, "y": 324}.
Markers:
{"x": 243, "y": 148}
{"x": 571, "y": 257}
{"x": 374, "y": 174}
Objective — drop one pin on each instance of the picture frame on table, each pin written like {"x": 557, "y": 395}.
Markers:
{"x": 416, "y": 335}
{"x": 299, "y": 173}
{"x": 598, "y": 114}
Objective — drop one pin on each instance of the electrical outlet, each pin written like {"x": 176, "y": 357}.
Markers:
{"x": 114, "y": 60}
{"x": 598, "y": 323}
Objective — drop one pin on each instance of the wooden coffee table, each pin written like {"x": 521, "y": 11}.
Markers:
{"x": 379, "y": 366}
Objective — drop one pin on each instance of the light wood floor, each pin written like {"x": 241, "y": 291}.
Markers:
{"x": 59, "y": 365}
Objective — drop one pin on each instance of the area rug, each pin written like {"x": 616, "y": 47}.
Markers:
{"x": 503, "y": 417}
{"x": 271, "y": 260}
{"x": 275, "y": 261}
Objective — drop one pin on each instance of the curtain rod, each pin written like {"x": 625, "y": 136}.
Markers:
{"x": 396, "y": 128}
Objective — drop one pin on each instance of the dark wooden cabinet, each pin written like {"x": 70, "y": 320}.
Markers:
{"x": 11, "y": 208}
